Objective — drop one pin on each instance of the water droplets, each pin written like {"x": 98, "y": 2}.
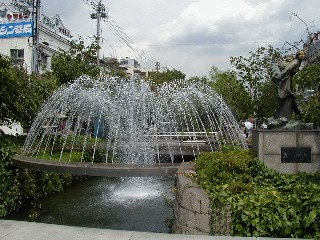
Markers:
{"x": 114, "y": 120}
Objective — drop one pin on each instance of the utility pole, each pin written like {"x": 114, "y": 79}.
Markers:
{"x": 157, "y": 66}
{"x": 100, "y": 12}
{"x": 35, "y": 37}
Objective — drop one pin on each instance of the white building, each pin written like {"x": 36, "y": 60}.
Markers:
{"x": 132, "y": 67}
{"x": 16, "y": 37}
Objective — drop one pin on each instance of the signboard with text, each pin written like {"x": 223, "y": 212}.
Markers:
{"x": 296, "y": 155}
{"x": 12, "y": 30}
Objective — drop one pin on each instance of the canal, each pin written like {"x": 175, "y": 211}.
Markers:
{"x": 135, "y": 204}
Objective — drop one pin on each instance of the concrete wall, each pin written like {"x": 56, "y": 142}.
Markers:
{"x": 192, "y": 210}
{"x": 267, "y": 145}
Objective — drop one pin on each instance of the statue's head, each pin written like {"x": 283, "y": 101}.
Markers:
{"x": 300, "y": 55}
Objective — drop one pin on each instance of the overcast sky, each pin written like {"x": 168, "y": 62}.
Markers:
{"x": 192, "y": 35}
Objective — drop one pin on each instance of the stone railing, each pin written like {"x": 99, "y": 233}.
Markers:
{"x": 192, "y": 211}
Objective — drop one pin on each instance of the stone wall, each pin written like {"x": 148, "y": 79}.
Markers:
{"x": 267, "y": 144}
{"x": 192, "y": 210}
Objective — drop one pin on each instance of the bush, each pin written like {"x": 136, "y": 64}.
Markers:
{"x": 263, "y": 202}
{"x": 10, "y": 196}
{"x": 19, "y": 187}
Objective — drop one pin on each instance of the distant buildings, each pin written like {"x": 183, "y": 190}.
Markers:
{"x": 132, "y": 67}
{"x": 16, "y": 41}
{"x": 313, "y": 49}
{"x": 16, "y": 37}
{"x": 17, "y": 33}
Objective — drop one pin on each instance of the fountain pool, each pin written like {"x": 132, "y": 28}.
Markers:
{"x": 133, "y": 204}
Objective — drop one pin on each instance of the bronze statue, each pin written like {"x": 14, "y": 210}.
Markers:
{"x": 282, "y": 74}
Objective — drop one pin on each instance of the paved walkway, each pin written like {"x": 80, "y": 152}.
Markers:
{"x": 16, "y": 230}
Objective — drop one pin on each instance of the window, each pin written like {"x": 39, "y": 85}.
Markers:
{"x": 44, "y": 60}
{"x": 17, "y": 56}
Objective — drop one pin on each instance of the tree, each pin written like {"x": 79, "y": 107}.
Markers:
{"x": 76, "y": 61}
{"x": 309, "y": 79}
{"x": 232, "y": 91}
{"x": 113, "y": 67}
{"x": 22, "y": 95}
{"x": 158, "y": 78}
{"x": 203, "y": 79}
{"x": 254, "y": 73}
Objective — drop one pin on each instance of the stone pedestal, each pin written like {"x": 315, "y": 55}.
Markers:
{"x": 288, "y": 151}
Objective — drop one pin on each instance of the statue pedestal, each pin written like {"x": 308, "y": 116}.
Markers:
{"x": 288, "y": 151}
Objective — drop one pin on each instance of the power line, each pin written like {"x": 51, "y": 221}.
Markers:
{"x": 123, "y": 37}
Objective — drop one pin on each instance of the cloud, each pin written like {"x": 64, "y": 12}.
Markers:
{"x": 193, "y": 35}
{"x": 214, "y": 30}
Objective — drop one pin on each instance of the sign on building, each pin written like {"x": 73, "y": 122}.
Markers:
{"x": 12, "y": 30}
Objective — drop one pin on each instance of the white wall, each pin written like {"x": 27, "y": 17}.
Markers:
{"x": 14, "y": 129}
{"x": 17, "y": 43}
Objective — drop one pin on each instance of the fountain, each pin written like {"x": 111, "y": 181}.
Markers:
{"x": 129, "y": 121}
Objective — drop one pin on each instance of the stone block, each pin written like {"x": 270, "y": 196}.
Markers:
{"x": 267, "y": 145}
{"x": 187, "y": 218}
{"x": 195, "y": 200}
{"x": 273, "y": 141}
{"x": 203, "y": 222}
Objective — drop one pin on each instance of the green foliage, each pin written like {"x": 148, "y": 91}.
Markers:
{"x": 114, "y": 68}
{"x": 74, "y": 150}
{"x": 22, "y": 186}
{"x": 254, "y": 73}
{"x": 267, "y": 102}
{"x": 309, "y": 79}
{"x": 263, "y": 202}
{"x": 22, "y": 95}
{"x": 158, "y": 78}
{"x": 311, "y": 110}
{"x": 233, "y": 92}
{"x": 10, "y": 196}
{"x": 203, "y": 80}
{"x": 78, "y": 60}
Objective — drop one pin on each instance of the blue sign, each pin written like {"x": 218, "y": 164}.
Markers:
{"x": 11, "y": 30}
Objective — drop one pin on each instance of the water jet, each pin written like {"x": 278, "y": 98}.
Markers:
{"x": 114, "y": 121}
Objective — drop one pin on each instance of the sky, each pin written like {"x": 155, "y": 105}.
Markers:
{"x": 189, "y": 35}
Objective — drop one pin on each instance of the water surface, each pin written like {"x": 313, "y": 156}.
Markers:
{"x": 133, "y": 204}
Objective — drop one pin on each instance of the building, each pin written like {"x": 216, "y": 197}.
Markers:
{"x": 16, "y": 41}
{"x": 313, "y": 49}
{"x": 132, "y": 67}
{"x": 17, "y": 33}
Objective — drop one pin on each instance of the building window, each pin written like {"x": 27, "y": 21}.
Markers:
{"x": 44, "y": 60}
{"x": 17, "y": 56}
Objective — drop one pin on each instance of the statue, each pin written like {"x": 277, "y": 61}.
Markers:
{"x": 282, "y": 74}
